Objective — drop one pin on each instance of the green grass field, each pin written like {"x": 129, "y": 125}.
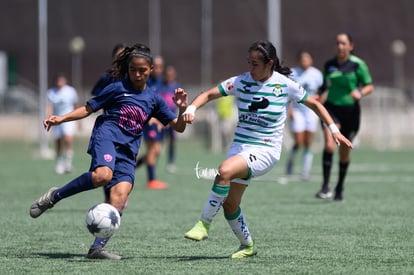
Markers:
{"x": 371, "y": 232}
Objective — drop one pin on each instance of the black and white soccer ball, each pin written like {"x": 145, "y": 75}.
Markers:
{"x": 103, "y": 220}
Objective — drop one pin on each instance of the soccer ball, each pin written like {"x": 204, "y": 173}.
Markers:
{"x": 103, "y": 220}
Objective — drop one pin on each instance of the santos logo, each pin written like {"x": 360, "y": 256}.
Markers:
{"x": 256, "y": 105}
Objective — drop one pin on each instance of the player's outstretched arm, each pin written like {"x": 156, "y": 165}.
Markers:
{"x": 199, "y": 101}
{"x": 76, "y": 114}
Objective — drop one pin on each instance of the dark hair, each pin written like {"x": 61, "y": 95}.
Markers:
{"x": 268, "y": 52}
{"x": 348, "y": 35}
{"x": 299, "y": 53}
{"x": 118, "y": 47}
{"x": 59, "y": 75}
{"x": 350, "y": 39}
{"x": 120, "y": 64}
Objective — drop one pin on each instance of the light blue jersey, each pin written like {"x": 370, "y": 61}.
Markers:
{"x": 310, "y": 79}
{"x": 63, "y": 100}
{"x": 262, "y": 107}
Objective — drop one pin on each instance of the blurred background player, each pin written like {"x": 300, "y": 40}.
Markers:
{"x": 107, "y": 77}
{"x": 303, "y": 121}
{"x": 168, "y": 86}
{"x": 346, "y": 80}
{"x": 153, "y": 131}
{"x": 227, "y": 118}
{"x": 62, "y": 98}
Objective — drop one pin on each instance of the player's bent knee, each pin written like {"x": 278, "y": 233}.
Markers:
{"x": 102, "y": 176}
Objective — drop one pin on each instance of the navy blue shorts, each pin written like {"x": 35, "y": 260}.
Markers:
{"x": 115, "y": 156}
{"x": 151, "y": 133}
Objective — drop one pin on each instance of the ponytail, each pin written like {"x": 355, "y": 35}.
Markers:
{"x": 268, "y": 52}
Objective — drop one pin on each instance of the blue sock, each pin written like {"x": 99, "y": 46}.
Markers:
{"x": 99, "y": 242}
{"x": 151, "y": 172}
{"x": 139, "y": 162}
{"x": 77, "y": 185}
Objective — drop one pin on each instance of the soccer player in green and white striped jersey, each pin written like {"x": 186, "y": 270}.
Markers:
{"x": 262, "y": 96}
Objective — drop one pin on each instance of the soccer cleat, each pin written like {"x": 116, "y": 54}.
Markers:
{"x": 324, "y": 194}
{"x": 60, "y": 167}
{"x": 244, "y": 251}
{"x": 100, "y": 253}
{"x": 304, "y": 177}
{"x": 199, "y": 232}
{"x": 171, "y": 168}
{"x": 338, "y": 197}
{"x": 43, "y": 203}
{"x": 157, "y": 185}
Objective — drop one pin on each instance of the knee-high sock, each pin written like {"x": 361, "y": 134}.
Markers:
{"x": 139, "y": 162}
{"x": 238, "y": 224}
{"x": 77, "y": 185}
{"x": 307, "y": 162}
{"x": 326, "y": 167}
{"x": 216, "y": 199}
{"x": 171, "y": 150}
{"x": 101, "y": 242}
{"x": 291, "y": 160}
{"x": 151, "y": 172}
{"x": 343, "y": 168}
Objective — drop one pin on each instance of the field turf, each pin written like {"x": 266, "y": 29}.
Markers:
{"x": 371, "y": 232}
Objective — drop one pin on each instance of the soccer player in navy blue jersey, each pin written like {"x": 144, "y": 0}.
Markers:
{"x": 116, "y": 137}
{"x": 153, "y": 131}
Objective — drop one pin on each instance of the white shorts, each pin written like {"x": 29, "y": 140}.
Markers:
{"x": 304, "y": 120}
{"x": 260, "y": 160}
{"x": 64, "y": 129}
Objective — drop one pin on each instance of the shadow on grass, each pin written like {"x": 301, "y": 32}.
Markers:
{"x": 179, "y": 258}
{"x": 197, "y": 258}
{"x": 60, "y": 255}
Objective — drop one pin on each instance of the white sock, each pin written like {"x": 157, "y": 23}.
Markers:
{"x": 238, "y": 225}
{"x": 216, "y": 199}
{"x": 307, "y": 163}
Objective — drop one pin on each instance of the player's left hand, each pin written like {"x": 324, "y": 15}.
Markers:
{"x": 340, "y": 139}
{"x": 180, "y": 98}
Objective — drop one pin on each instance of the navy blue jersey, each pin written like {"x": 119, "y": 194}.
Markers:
{"x": 103, "y": 81}
{"x": 154, "y": 83}
{"x": 126, "y": 111}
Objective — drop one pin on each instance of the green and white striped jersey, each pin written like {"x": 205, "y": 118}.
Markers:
{"x": 262, "y": 107}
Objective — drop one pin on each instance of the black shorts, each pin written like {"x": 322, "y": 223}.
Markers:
{"x": 348, "y": 117}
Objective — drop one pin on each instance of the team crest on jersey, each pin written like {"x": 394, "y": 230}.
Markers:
{"x": 107, "y": 157}
{"x": 277, "y": 90}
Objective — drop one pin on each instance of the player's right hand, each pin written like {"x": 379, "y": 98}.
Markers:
{"x": 51, "y": 121}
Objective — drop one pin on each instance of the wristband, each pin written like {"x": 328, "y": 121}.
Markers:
{"x": 332, "y": 127}
{"x": 190, "y": 110}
